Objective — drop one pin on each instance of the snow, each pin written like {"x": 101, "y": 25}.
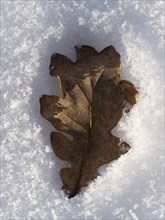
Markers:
{"x": 129, "y": 188}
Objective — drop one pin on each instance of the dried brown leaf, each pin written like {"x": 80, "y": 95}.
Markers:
{"x": 94, "y": 97}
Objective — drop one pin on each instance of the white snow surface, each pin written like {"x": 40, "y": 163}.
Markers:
{"x": 129, "y": 188}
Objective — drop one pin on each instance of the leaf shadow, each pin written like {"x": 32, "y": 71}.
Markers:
{"x": 44, "y": 84}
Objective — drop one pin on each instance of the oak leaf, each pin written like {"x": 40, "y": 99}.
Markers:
{"x": 93, "y": 100}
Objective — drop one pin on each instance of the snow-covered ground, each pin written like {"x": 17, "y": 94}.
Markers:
{"x": 130, "y": 188}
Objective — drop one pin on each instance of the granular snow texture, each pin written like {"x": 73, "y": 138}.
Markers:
{"x": 129, "y": 188}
